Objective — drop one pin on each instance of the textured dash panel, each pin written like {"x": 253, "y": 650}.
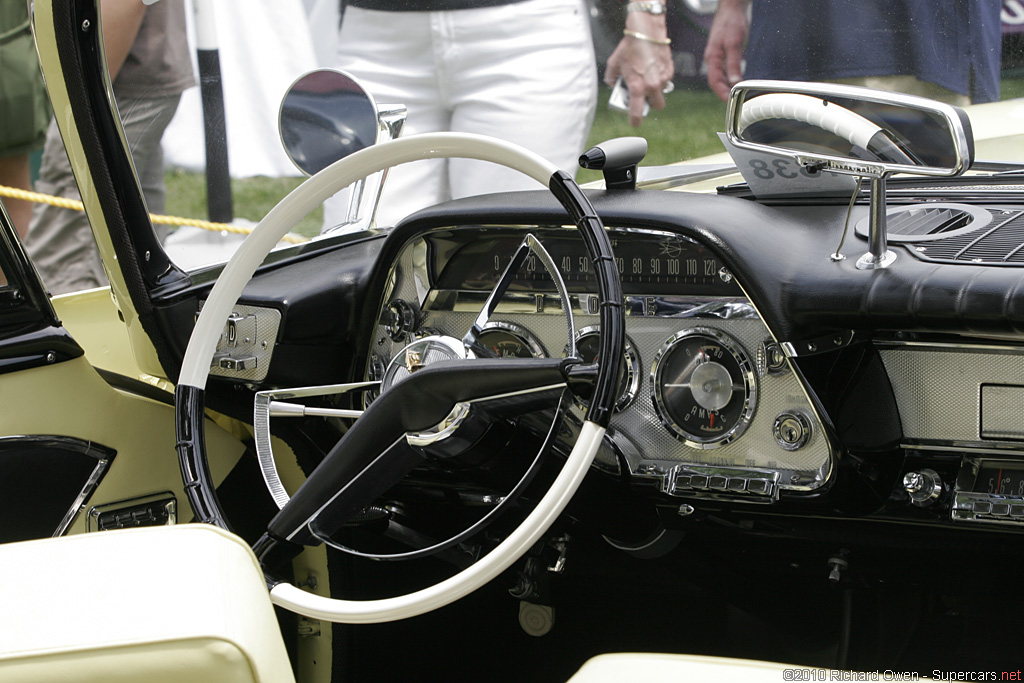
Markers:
{"x": 938, "y": 390}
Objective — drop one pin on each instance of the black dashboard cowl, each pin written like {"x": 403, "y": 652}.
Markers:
{"x": 780, "y": 254}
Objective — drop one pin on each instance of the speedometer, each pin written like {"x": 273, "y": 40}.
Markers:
{"x": 704, "y": 387}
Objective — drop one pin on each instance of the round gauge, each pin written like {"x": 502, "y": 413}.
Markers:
{"x": 587, "y": 341}
{"x": 507, "y": 340}
{"x": 704, "y": 387}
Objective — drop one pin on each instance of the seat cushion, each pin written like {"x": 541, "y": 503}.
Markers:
{"x": 649, "y": 667}
{"x": 174, "y": 603}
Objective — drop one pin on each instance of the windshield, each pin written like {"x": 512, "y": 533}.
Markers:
{"x": 199, "y": 87}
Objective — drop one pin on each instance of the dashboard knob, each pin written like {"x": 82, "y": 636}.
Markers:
{"x": 923, "y": 487}
{"x": 792, "y": 430}
{"x": 399, "y": 320}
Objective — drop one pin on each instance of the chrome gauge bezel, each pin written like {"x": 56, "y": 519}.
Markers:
{"x": 747, "y": 370}
{"x": 519, "y": 332}
{"x": 632, "y": 384}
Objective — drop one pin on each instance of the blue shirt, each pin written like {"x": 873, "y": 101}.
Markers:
{"x": 952, "y": 43}
{"x": 426, "y": 5}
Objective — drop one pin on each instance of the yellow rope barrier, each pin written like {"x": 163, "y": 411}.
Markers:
{"x": 75, "y": 205}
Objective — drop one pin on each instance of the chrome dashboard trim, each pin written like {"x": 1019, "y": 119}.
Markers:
{"x": 79, "y": 503}
{"x": 810, "y": 347}
{"x": 965, "y": 447}
{"x": 969, "y": 347}
{"x": 662, "y": 306}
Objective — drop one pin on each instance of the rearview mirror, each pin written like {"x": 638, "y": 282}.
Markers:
{"x": 850, "y": 130}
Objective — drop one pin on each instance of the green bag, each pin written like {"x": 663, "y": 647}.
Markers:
{"x": 24, "y": 109}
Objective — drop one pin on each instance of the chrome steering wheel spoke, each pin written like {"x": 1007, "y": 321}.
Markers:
{"x": 529, "y": 244}
{"x": 265, "y": 407}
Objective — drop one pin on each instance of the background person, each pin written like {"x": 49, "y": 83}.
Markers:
{"x": 519, "y": 70}
{"x": 643, "y": 58}
{"x": 24, "y": 109}
{"x": 948, "y": 51}
{"x": 148, "y": 59}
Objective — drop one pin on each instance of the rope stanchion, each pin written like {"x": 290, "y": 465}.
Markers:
{"x": 75, "y": 205}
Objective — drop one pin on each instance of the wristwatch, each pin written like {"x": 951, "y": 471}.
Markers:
{"x": 649, "y": 6}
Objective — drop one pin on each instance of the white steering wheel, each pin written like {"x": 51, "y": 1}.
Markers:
{"x": 189, "y": 394}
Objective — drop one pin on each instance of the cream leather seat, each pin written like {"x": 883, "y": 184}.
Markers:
{"x": 177, "y": 603}
{"x": 648, "y": 667}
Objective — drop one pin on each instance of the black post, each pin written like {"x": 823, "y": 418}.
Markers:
{"x": 219, "y": 206}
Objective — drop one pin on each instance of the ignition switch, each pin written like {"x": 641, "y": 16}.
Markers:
{"x": 792, "y": 430}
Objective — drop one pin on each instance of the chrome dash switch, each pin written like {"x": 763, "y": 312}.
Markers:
{"x": 924, "y": 487}
{"x": 246, "y": 343}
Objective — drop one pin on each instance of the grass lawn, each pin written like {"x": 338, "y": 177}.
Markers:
{"x": 685, "y": 129}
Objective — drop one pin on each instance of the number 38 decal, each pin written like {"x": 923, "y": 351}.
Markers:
{"x": 783, "y": 168}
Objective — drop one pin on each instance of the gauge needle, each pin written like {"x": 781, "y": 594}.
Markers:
{"x": 711, "y": 422}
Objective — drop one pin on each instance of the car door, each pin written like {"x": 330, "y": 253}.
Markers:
{"x": 81, "y": 449}
{"x": 46, "y": 470}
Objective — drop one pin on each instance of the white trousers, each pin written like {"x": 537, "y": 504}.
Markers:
{"x": 523, "y": 72}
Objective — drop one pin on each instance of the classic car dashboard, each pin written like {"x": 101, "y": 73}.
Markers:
{"x": 757, "y": 369}
{"x": 708, "y": 405}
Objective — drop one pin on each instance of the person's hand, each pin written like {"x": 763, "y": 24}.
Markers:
{"x": 726, "y": 42}
{"x": 646, "y": 67}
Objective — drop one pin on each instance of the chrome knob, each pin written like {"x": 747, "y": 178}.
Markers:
{"x": 923, "y": 487}
{"x": 399, "y": 320}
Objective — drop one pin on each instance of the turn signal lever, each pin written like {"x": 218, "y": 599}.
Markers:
{"x": 618, "y": 159}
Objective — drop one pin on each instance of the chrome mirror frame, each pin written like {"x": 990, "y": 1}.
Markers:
{"x": 954, "y": 118}
{"x": 365, "y": 195}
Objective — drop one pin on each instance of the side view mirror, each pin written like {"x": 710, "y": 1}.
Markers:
{"x": 852, "y": 131}
{"x": 326, "y": 115}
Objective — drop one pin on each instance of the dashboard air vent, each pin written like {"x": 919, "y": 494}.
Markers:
{"x": 1001, "y": 243}
{"x": 957, "y": 233}
{"x": 928, "y": 220}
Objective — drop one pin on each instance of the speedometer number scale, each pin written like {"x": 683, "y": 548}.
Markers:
{"x": 704, "y": 387}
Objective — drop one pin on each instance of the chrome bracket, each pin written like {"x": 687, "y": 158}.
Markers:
{"x": 265, "y": 406}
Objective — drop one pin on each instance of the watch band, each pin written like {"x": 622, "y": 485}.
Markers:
{"x": 649, "y": 6}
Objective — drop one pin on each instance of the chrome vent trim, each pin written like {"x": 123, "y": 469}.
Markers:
{"x": 999, "y": 244}
{"x": 957, "y": 233}
{"x": 930, "y": 222}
